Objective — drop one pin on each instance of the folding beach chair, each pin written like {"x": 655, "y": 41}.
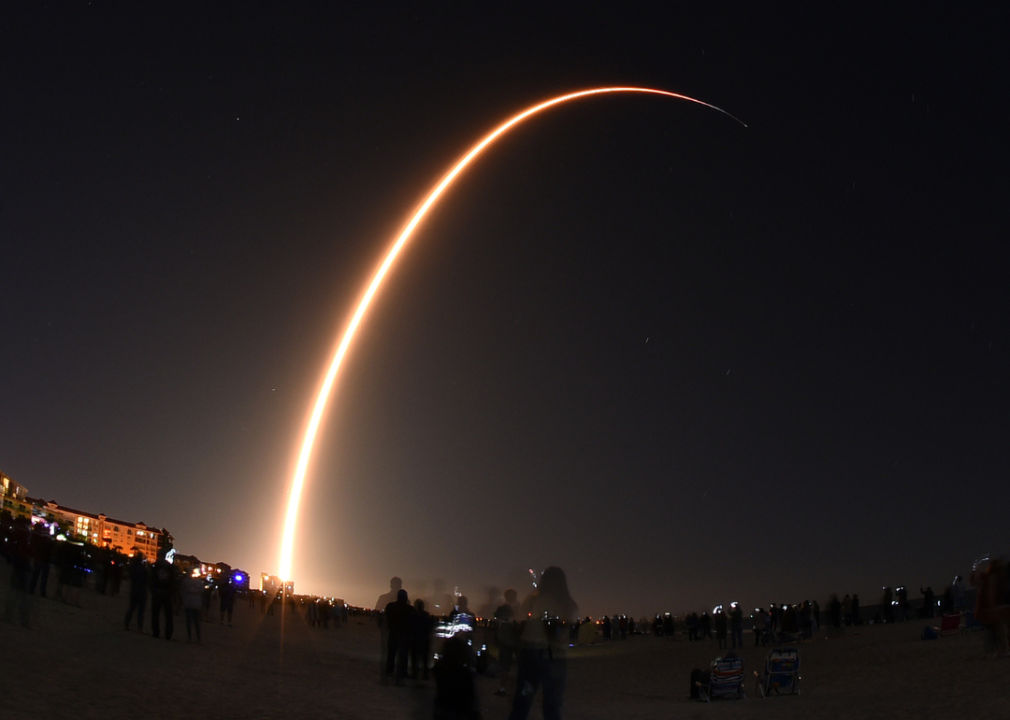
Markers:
{"x": 950, "y": 624}
{"x": 782, "y": 673}
{"x": 725, "y": 680}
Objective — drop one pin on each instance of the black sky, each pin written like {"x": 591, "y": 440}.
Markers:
{"x": 688, "y": 362}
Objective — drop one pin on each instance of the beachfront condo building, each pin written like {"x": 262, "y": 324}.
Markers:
{"x": 15, "y": 497}
{"x": 101, "y": 530}
{"x": 122, "y": 536}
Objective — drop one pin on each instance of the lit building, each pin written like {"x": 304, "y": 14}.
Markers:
{"x": 103, "y": 531}
{"x": 15, "y": 497}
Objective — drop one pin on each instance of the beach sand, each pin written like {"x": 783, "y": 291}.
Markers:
{"x": 78, "y": 662}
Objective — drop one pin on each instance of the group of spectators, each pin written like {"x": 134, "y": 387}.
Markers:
{"x": 534, "y": 634}
{"x": 33, "y": 553}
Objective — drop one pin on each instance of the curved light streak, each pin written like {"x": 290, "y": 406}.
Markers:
{"x": 297, "y": 484}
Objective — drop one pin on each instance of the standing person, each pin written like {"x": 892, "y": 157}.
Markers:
{"x": 835, "y": 612}
{"x": 706, "y": 626}
{"x": 455, "y": 695}
{"x": 902, "y": 594}
{"x": 20, "y": 556}
{"x": 139, "y": 577}
{"x": 736, "y": 625}
{"x": 192, "y": 601}
{"x": 162, "y": 593}
{"x": 398, "y": 617}
{"x": 806, "y": 620}
{"x": 506, "y": 636}
{"x": 226, "y": 598}
{"x": 720, "y": 627}
{"x": 886, "y": 601}
{"x": 959, "y": 601}
{"x": 42, "y": 556}
{"x": 928, "y": 603}
{"x": 991, "y": 604}
{"x": 543, "y": 645}
{"x": 692, "y": 626}
{"x": 760, "y": 626}
{"x": 395, "y": 585}
{"x": 420, "y": 641}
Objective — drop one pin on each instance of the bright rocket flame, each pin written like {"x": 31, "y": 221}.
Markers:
{"x": 297, "y": 484}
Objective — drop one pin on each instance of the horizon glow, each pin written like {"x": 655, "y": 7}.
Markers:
{"x": 298, "y": 481}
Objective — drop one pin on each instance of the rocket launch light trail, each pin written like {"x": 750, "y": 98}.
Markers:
{"x": 298, "y": 482}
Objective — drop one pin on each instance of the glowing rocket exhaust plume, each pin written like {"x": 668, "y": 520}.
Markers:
{"x": 291, "y": 517}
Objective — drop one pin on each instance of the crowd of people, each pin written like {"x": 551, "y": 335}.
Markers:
{"x": 538, "y": 631}
{"x": 34, "y": 554}
{"x": 534, "y": 635}
{"x": 530, "y": 637}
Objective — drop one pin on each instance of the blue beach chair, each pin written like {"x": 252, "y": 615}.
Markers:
{"x": 782, "y": 673}
{"x": 725, "y": 680}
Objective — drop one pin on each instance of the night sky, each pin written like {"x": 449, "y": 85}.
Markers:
{"x": 687, "y": 361}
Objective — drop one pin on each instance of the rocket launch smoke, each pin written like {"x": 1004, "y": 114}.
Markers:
{"x": 298, "y": 481}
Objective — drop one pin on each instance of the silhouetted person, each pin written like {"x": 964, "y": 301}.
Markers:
{"x": 139, "y": 576}
{"x": 398, "y": 615}
{"x": 719, "y": 618}
{"x": 855, "y": 610}
{"x": 806, "y": 619}
{"x": 705, "y": 626}
{"x": 19, "y": 553}
{"x": 928, "y": 602}
{"x": 116, "y": 576}
{"x": 162, "y": 592}
{"x": 959, "y": 598}
{"x": 886, "y": 601}
{"x": 543, "y": 646}
{"x": 991, "y": 604}
{"x": 192, "y": 601}
{"x": 395, "y": 585}
{"x": 420, "y": 641}
{"x": 691, "y": 621}
{"x": 455, "y": 695}
{"x": 506, "y": 618}
{"x": 790, "y": 623}
{"x": 736, "y": 625}
{"x": 462, "y": 607}
{"x": 835, "y": 612}
{"x": 42, "y": 556}
{"x": 760, "y": 626}
{"x": 226, "y": 598}
{"x": 902, "y": 594}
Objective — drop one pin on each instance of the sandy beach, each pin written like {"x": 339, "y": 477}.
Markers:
{"x": 79, "y": 662}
